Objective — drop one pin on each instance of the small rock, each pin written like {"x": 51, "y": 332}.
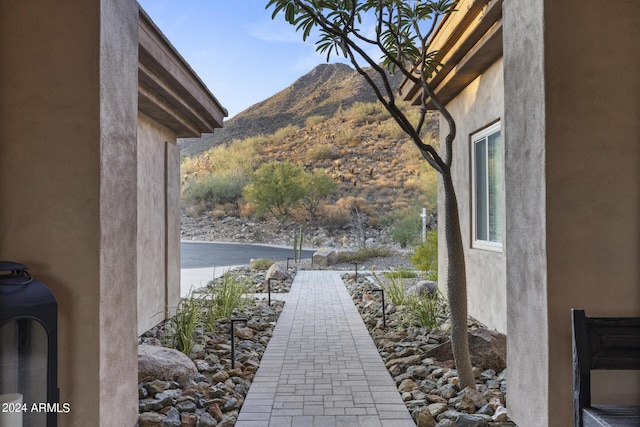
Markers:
{"x": 407, "y": 385}
{"x": 471, "y": 420}
{"x": 425, "y": 419}
{"x": 186, "y": 406}
{"x": 500, "y": 414}
{"x": 219, "y": 377}
{"x": 151, "y": 419}
{"x": 215, "y": 412}
{"x": 206, "y": 420}
{"x": 189, "y": 420}
{"x": 245, "y": 333}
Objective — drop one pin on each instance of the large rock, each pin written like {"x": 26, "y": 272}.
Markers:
{"x": 277, "y": 272}
{"x": 165, "y": 364}
{"x": 325, "y": 258}
{"x": 488, "y": 350}
{"x": 423, "y": 287}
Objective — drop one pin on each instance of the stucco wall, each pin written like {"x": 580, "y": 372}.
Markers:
{"x": 572, "y": 102}
{"x": 158, "y": 222}
{"x": 67, "y": 180}
{"x": 478, "y": 105}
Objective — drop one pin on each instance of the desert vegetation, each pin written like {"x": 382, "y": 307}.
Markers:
{"x": 324, "y": 172}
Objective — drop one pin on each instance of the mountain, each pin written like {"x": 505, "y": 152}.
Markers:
{"x": 323, "y": 91}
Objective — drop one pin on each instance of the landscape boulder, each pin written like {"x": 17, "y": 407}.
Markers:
{"x": 423, "y": 287}
{"x": 488, "y": 350}
{"x": 277, "y": 272}
{"x": 165, "y": 364}
{"x": 325, "y": 258}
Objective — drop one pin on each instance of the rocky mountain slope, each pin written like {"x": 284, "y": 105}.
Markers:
{"x": 323, "y": 91}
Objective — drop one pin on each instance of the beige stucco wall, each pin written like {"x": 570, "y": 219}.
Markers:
{"x": 158, "y": 222}
{"x": 68, "y": 177}
{"x": 572, "y": 102}
{"x": 477, "y": 106}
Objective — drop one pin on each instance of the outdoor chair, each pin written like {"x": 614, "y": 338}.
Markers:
{"x": 603, "y": 343}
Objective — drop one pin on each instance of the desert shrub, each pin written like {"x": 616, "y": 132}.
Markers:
{"x": 391, "y": 129}
{"x": 405, "y": 226}
{"x": 182, "y": 327}
{"x": 364, "y": 254}
{"x": 320, "y": 152}
{"x": 314, "y": 120}
{"x": 262, "y": 263}
{"x": 225, "y": 295}
{"x": 393, "y": 288}
{"x": 317, "y": 187}
{"x": 426, "y": 310}
{"x": 401, "y": 273}
{"x": 425, "y": 256}
{"x": 366, "y": 111}
{"x": 276, "y": 188}
{"x": 285, "y": 132}
{"x": 213, "y": 189}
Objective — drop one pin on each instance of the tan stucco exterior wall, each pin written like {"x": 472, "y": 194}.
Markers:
{"x": 158, "y": 222}
{"x": 572, "y": 102}
{"x": 477, "y": 106}
{"x": 68, "y": 184}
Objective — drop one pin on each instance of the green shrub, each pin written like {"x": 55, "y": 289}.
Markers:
{"x": 317, "y": 187}
{"x": 393, "y": 288}
{"x": 406, "y": 226}
{"x": 276, "y": 188}
{"x": 285, "y": 132}
{"x": 366, "y": 111}
{"x": 262, "y": 263}
{"x": 214, "y": 189}
{"x": 314, "y": 120}
{"x": 320, "y": 153}
{"x": 401, "y": 273}
{"x": 425, "y": 256}
{"x": 189, "y": 316}
{"x": 426, "y": 310}
{"x": 224, "y": 296}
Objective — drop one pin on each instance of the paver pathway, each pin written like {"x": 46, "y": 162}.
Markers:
{"x": 321, "y": 367}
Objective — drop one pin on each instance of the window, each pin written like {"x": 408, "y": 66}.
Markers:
{"x": 487, "y": 211}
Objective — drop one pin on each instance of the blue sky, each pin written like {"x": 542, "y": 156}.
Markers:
{"x": 239, "y": 52}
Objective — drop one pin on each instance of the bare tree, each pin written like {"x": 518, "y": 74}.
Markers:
{"x": 401, "y": 34}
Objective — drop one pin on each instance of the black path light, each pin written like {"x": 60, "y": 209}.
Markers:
{"x": 28, "y": 350}
{"x": 233, "y": 342}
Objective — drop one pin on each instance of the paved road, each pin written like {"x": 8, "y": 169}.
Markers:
{"x": 210, "y": 254}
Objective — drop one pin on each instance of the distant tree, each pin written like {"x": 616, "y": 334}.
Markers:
{"x": 401, "y": 34}
{"x": 276, "y": 187}
{"x": 317, "y": 187}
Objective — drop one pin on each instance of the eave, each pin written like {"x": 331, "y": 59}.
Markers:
{"x": 469, "y": 41}
{"x": 169, "y": 91}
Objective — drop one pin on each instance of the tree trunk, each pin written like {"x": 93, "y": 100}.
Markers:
{"x": 457, "y": 284}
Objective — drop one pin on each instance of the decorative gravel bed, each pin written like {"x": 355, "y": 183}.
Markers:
{"x": 420, "y": 362}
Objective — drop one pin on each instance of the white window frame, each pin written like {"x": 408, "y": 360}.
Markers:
{"x": 476, "y": 138}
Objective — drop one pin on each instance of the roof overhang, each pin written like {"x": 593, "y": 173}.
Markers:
{"x": 469, "y": 41}
{"x": 169, "y": 91}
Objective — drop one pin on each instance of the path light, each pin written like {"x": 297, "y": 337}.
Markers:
{"x": 356, "y": 271}
{"x": 269, "y": 288}
{"x": 233, "y": 344}
{"x": 384, "y": 317}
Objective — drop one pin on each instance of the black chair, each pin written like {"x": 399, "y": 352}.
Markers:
{"x": 603, "y": 343}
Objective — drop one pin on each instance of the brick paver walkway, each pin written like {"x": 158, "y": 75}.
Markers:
{"x": 321, "y": 367}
